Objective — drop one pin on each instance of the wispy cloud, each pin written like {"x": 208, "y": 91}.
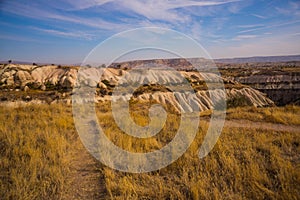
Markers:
{"x": 170, "y": 14}
{"x": 250, "y": 26}
{"x": 43, "y": 14}
{"x": 152, "y": 10}
{"x": 259, "y": 16}
{"x": 73, "y": 34}
{"x": 260, "y": 46}
{"x": 210, "y": 22}
{"x": 292, "y": 9}
{"x": 295, "y": 34}
{"x": 18, "y": 38}
{"x": 270, "y": 26}
{"x": 167, "y": 10}
{"x": 243, "y": 37}
{"x": 78, "y": 4}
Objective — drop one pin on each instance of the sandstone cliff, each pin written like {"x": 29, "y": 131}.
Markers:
{"x": 57, "y": 82}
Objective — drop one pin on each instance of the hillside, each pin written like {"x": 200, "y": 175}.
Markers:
{"x": 49, "y": 84}
{"x": 279, "y": 80}
{"x": 260, "y": 59}
{"x": 42, "y": 155}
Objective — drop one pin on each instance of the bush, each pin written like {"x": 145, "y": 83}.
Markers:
{"x": 239, "y": 101}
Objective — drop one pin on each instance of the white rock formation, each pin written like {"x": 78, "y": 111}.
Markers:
{"x": 105, "y": 78}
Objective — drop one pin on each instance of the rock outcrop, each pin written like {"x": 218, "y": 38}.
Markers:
{"x": 202, "y": 99}
{"x": 281, "y": 87}
{"x": 14, "y": 76}
{"x": 48, "y": 78}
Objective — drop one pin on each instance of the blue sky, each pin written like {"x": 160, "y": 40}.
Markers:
{"x": 65, "y": 31}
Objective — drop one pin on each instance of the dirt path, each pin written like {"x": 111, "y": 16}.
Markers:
{"x": 87, "y": 181}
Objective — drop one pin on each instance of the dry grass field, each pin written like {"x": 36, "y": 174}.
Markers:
{"x": 43, "y": 158}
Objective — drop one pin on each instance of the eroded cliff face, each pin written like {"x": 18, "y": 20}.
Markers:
{"x": 53, "y": 84}
{"x": 203, "y": 98}
{"x": 282, "y": 87}
{"x": 279, "y": 80}
{"x": 38, "y": 77}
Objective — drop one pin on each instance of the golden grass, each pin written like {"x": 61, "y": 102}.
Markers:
{"x": 245, "y": 163}
{"x": 36, "y": 143}
{"x": 283, "y": 115}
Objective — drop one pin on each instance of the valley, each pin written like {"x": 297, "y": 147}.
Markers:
{"x": 256, "y": 156}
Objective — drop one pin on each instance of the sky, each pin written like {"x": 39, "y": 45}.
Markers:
{"x": 65, "y": 31}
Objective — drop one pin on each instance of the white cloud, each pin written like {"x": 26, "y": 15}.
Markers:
{"x": 270, "y": 26}
{"x": 259, "y": 16}
{"x": 44, "y": 14}
{"x": 243, "y": 37}
{"x": 73, "y": 34}
{"x": 166, "y": 10}
{"x": 249, "y": 26}
{"x": 258, "y": 46}
{"x": 196, "y": 31}
{"x": 168, "y": 14}
{"x": 295, "y": 34}
{"x": 17, "y": 38}
{"x": 292, "y": 9}
{"x": 84, "y": 4}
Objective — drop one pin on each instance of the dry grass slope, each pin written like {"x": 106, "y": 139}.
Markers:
{"x": 245, "y": 163}
{"x": 37, "y": 143}
{"x": 34, "y": 145}
{"x": 288, "y": 115}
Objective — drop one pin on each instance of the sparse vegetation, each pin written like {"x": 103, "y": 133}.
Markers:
{"x": 36, "y": 144}
{"x": 239, "y": 101}
{"x": 284, "y": 115}
{"x": 245, "y": 163}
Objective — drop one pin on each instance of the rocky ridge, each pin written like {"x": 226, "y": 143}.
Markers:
{"x": 280, "y": 81}
{"x": 31, "y": 83}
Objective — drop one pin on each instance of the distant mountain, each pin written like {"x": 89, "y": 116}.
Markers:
{"x": 17, "y": 62}
{"x": 259, "y": 59}
{"x": 29, "y": 63}
{"x": 182, "y": 62}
